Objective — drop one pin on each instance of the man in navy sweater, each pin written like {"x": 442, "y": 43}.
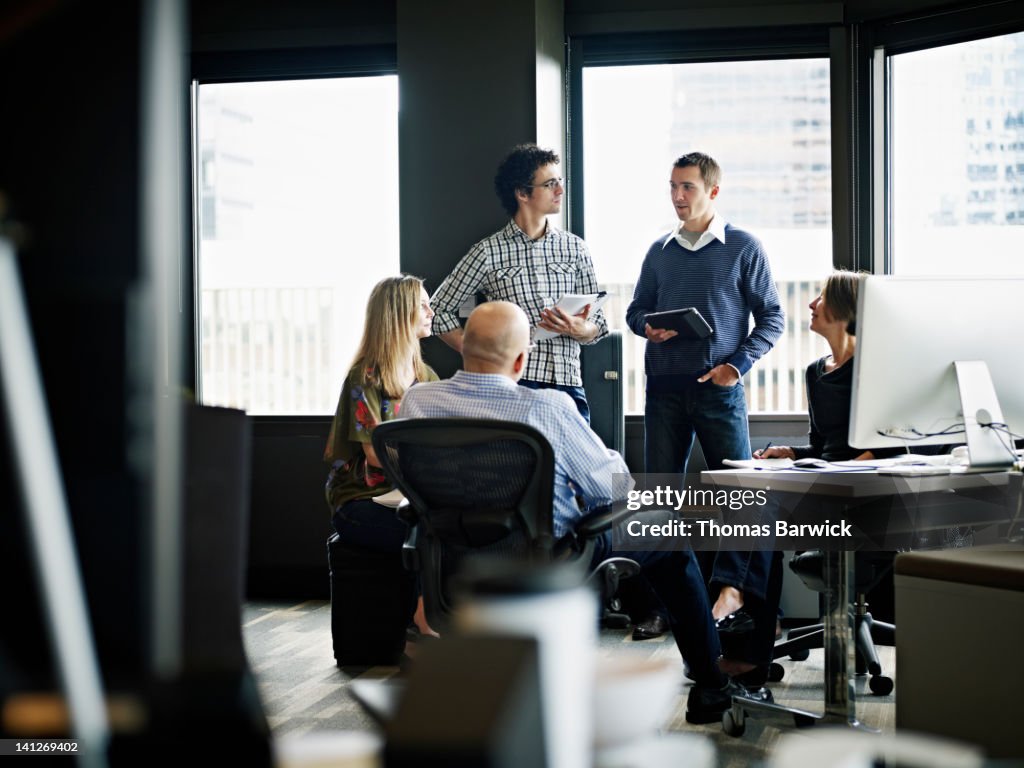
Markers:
{"x": 694, "y": 386}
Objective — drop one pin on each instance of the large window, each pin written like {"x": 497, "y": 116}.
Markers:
{"x": 768, "y": 125}
{"x": 958, "y": 158}
{"x": 297, "y": 217}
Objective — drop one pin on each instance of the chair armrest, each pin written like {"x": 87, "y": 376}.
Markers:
{"x": 410, "y": 552}
{"x": 406, "y": 513}
{"x": 602, "y": 518}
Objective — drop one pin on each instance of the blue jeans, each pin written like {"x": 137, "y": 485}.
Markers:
{"x": 675, "y": 580}
{"x": 578, "y": 395}
{"x": 365, "y": 524}
{"x": 717, "y": 416}
{"x": 756, "y": 647}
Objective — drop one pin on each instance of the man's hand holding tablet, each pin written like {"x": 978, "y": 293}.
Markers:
{"x": 688, "y": 322}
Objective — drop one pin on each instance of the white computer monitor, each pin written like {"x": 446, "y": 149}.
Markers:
{"x": 929, "y": 350}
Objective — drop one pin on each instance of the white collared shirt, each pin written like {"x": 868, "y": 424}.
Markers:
{"x": 715, "y": 231}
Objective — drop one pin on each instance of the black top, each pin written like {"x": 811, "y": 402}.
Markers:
{"x": 828, "y": 405}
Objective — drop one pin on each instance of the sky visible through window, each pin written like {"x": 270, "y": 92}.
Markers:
{"x": 298, "y": 187}
{"x": 958, "y": 158}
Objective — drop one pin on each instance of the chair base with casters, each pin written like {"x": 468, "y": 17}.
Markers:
{"x": 868, "y": 631}
{"x": 834, "y": 572}
{"x": 608, "y": 574}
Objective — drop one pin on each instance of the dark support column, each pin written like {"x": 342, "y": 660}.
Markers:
{"x": 70, "y": 181}
{"x": 474, "y": 80}
{"x": 852, "y": 191}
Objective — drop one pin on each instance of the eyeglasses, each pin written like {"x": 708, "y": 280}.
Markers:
{"x": 550, "y": 184}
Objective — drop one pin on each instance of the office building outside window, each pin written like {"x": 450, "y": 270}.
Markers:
{"x": 767, "y": 123}
{"x": 958, "y": 159}
{"x": 297, "y": 197}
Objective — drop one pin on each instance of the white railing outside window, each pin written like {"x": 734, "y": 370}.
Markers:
{"x": 776, "y": 382}
{"x": 297, "y": 182}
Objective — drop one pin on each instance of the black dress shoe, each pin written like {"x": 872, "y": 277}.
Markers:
{"x": 738, "y": 623}
{"x": 755, "y": 678}
{"x": 706, "y": 705}
{"x": 653, "y": 626}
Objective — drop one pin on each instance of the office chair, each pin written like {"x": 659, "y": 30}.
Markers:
{"x": 869, "y": 568}
{"x": 483, "y": 488}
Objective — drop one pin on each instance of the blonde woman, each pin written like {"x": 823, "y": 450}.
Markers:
{"x": 387, "y": 363}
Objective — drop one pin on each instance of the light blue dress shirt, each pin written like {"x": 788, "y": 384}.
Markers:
{"x": 580, "y": 457}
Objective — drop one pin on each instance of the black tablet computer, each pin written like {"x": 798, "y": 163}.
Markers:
{"x": 688, "y": 322}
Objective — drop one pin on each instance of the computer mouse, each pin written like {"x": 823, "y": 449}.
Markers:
{"x": 810, "y": 463}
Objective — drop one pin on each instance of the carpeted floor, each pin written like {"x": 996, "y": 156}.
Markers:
{"x": 303, "y": 691}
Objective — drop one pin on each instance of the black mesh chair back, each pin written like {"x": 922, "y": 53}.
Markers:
{"x": 476, "y": 488}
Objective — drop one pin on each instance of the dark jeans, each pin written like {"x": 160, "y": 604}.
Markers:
{"x": 576, "y": 393}
{"x": 757, "y": 646}
{"x": 365, "y": 524}
{"x": 717, "y": 416}
{"x": 747, "y": 571}
{"x": 676, "y": 582}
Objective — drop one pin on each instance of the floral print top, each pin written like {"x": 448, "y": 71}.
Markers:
{"x": 361, "y": 407}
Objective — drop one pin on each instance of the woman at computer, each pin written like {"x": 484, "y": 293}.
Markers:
{"x": 386, "y": 364}
{"x": 830, "y": 378}
{"x": 829, "y": 386}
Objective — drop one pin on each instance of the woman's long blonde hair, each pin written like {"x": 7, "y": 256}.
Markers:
{"x": 389, "y": 335}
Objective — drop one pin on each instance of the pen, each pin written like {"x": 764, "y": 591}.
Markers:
{"x": 767, "y": 446}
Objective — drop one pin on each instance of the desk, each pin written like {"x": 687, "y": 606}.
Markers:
{"x": 838, "y": 490}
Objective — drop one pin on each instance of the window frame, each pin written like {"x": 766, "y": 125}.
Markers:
{"x": 254, "y": 66}
{"x": 907, "y": 34}
{"x": 858, "y": 50}
{"x": 677, "y": 47}
{"x": 683, "y": 47}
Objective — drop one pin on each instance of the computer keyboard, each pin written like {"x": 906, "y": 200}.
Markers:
{"x": 915, "y": 470}
{"x": 916, "y": 460}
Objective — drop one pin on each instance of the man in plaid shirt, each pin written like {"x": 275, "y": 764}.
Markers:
{"x": 529, "y": 263}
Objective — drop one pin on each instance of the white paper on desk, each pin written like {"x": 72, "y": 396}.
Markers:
{"x": 901, "y": 460}
{"x": 391, "y": 499}
{"x": 779, "y": 465}
{"x": 759, "y": 463}
{"x": 573, "y": 304}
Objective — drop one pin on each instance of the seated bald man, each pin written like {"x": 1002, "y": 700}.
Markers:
{"x": 495, "y": 346}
